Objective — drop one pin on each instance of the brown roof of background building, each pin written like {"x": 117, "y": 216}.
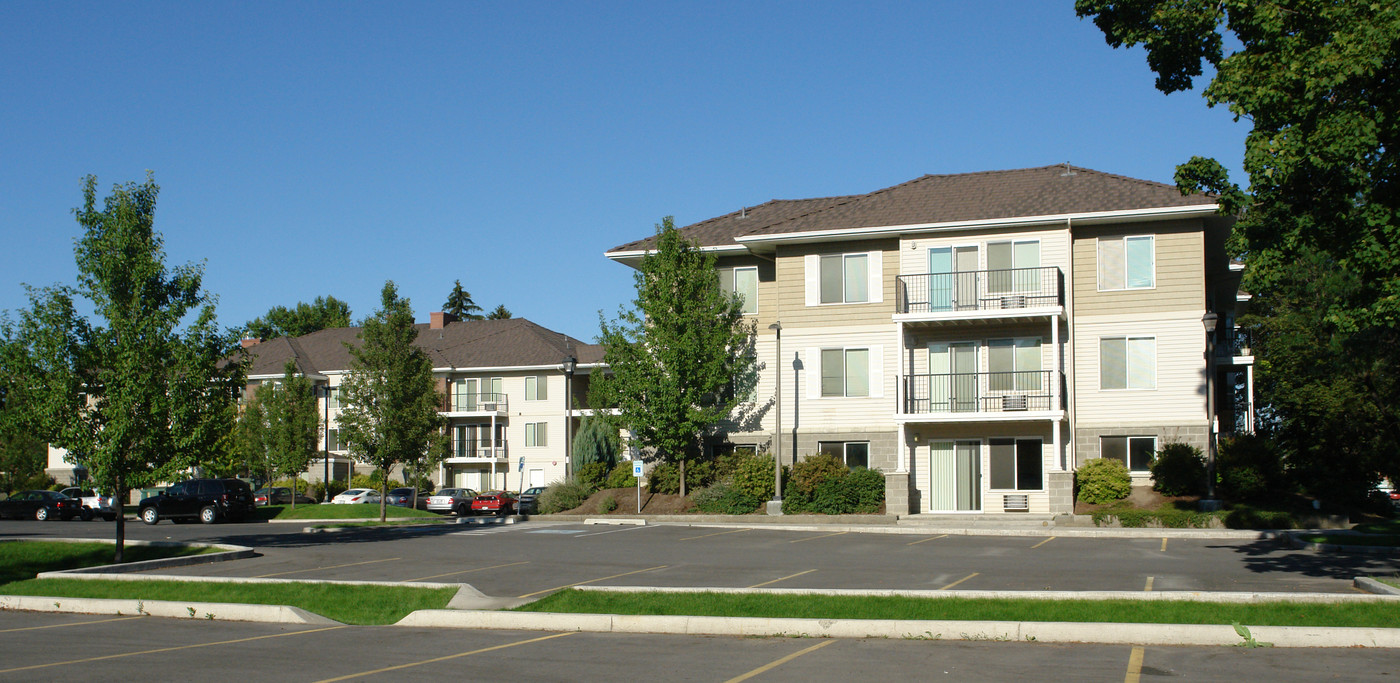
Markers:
{"x": 963, "y": 197}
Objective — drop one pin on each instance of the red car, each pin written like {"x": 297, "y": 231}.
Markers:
{"x": 499, "y": 502}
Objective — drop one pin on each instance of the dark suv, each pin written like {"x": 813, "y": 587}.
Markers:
{"x": 208, "y": 500}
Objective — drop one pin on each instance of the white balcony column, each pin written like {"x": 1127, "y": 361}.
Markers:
{"x": 1060, "y": 460}
{"x": 899, "y": 399}
{"x": 1249, "y": 388}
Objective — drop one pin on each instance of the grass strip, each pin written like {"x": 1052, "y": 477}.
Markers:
{"x": 360, "y": 605}
{"x": 1352, "y": 539}
{"x": 1369, "y": 614}
{"x": 355, "y": 511}
{"x": 20, "y": 560}
{"x": 409, "y": 521}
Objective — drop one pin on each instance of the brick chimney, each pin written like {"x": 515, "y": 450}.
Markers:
{"x": 252, "y": 341}
{"x": 440, "y": 319}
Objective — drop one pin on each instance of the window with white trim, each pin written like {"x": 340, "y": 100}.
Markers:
{"x": 1136, "y": 452}
{"x": 333, "y": 398}
{"x": 536, "y": 388}
{"x": 1127, "y": 363}
{"x": 1127, "y": 263}
{"x": 1013, "y": 266}
{"x": 845, "y": 278}
{"x": 536, "y": 434}
{"x": 742, "y": 281}
{"x": 333, "y": 441}
{"x": 1016, "y": 464}
{"x": 853, "y": 453}
{"x": 1014, "y": 364}
{"x": 845, "y": 372}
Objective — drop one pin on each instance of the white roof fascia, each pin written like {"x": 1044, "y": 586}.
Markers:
{"x": 280, "y": 375}
{"x": 558, "y": 367}
{"x": 1020, "y": 221}
{"x": 637, "y": 254}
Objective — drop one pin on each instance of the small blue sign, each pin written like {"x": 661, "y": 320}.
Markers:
{"x": 637, "y": 468}
{"x": 521, "y": 466}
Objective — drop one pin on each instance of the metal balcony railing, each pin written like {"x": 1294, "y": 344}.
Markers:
{"x": 981, "y": 392}
{"x": 480, "y": 402}
{"x": 980, "y": 290}
{"x": 479, "y": 448}
{"x": 1233, "y": 342}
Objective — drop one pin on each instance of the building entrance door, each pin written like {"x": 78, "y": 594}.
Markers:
{"x": 955, "y": 476}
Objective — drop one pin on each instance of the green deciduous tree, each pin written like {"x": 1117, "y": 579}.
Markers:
{"x": 292, "y": 425}
{"x": 460, "y": 304}
{"x": 390, "y": 400}
{"x": 681, "y": 358}
{"x": 1319, "y": 224}
{"x": 250, "y": 439}
{"x": 324, "y": 313}
{"x": 141, "y": 393}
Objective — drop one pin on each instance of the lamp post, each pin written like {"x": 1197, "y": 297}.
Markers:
{"x": 569, "y": 364}
{"x": 1209, "y": 320}
{"x": 775, "y": 507}
{"x": 326, "y": 454}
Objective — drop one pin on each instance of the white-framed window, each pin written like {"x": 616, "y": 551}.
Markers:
{"x": 1014, "y": 364}
{"x": 743, "y": 281}
{"x": 1136, "y": 452}
{"x": 1127, "y": 362}
{"x": 536, "y": 388}
{"x": 333, "y": 441}
{"x": 1013, "y": 266}
{"x": 1017, "y": 464}
{"x": 853, "y": 453}
{"x": 536, "y": 434}
{"x": 333, "y": 398}
{"x": 464, "y": 395}
{"x": 844, "y": 278}
{"x": 1127, "y": 263}
{"x": 494, "y": 389}
{"x": 845, "y": 372}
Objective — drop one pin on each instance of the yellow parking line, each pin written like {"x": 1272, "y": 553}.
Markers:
{"x": 580, "y": 583}
{"x": 167, "y": 649}
{"x": 1042, "y": 543}
{"x": 934, "y": 538}
{"x": 334, "y": 566}
{"x": 959, "y": 581}
{"x": 813, "y": 538}
{"x": 717, "y": 533}
{"x": 1148, "y": 588}
{"x": 1164, "y": 545}
{"x": 785, "y": 578}
{"x": 465, "y": 571}
{"x": 443, "y": 659}
{"x": 1134, "y": 666}
{"x": 76, "y": 623}
{"x": 777, "y": 663}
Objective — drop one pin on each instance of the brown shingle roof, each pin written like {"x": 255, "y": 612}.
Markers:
{"x": 467, "y": 344}
{"x": 963, "y": 197}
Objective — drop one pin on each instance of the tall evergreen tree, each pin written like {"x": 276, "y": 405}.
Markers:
{"x": 682, "y": 357}
{"x": 460, "y": 304}
{"x": 500, "y": 312}
{"x": 135, "y": 397}
{"x": 390, "y": 400}
{"x": 596, "y": 441}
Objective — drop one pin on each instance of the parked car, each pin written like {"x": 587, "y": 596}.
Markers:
{"x": 529, "y": 502}
{"x": 208, "y": 500}
{"x": 354, "y": 496}
{"x": 94, "y": 504}
{"x": 498, "y": 502}
{"x": 41, "y": 505}
{"x": 279, "y": 495}
{"x": 452, "y": 501}
{"x": 403, "y": 497}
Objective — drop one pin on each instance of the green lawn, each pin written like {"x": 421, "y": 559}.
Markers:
{"x": 968, "y": 609}
{"x": 364, "y": 605}
{"x": 20, "y": 560}
{"x": 357, "y": 511}
{"x": 1385, "y": 533}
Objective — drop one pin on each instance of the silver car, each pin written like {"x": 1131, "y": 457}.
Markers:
{"x": 452, "y": 501}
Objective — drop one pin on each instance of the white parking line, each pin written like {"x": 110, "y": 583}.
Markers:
{"x": 616, "y": 531}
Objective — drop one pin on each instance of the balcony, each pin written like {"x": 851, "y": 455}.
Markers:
{"x": 971, "y": 396}
{"x": 478, "y": 450}
{"x": 1007, "y": 293}
{"x": 1233, "y": 346}
{"x": 486, "y": 403}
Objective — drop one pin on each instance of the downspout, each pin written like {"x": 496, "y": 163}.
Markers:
{"x": 1070, "y": 400}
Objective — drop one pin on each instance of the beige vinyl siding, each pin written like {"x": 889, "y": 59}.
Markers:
{"x": 1179, "y": 393}
{"x": 982, "y": 433}
{"x": 791, "y": 270}
{"x": 1054, "y": 247}
{"x": 767, "y": 286}
{"x": 837, "y": 413}
{"x": 1179, "y": 275}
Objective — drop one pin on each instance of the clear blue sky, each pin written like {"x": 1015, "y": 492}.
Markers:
{"x": 321, "y": 148}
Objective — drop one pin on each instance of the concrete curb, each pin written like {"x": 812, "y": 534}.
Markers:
{"x": 1371, "y": 585}
{"x": 231, "y": 552}
{"x": 1381, "y": 550}
{"x": 1048, "y": 632}
{"x": 1142, "y": 596}
{"x": 215, "y": 611}
{"x": 1061, "y": 532}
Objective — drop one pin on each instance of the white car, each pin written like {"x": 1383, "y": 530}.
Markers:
{"x": 357, "y": 496}
{"x": 94, "y": 504}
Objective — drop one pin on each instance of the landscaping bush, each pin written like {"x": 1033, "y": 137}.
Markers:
{"x": 840, "y": 493}
{"x": 621, "y": 476}
{"x": 753, "y": 474}
{"x": 1103, "y": 480}
{"x": 811, "y": 472}
{"x": 867, "y": 489}
{"x": 664, "y": 478}
{"x": 1179, "y": 470}
{"x": 562, "y": 496}
{"x": 319, "y": 491}
{"x": 591, "y": 476}
{"x": 722, "y": 498}
{"x": 832, "y": 497}
{"x": 1250, "y": 468}
{"x": 608, "y": 503}
{"x": 372, "y": 481}
{"x": 1245, "y": 517}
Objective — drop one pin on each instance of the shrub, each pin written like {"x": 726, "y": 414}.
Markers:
{"x": 1250, "y": 468}
{"x": 832, "y": 497}
{"x": 1244, "y": 517}
{"x": 591, "y": 476}
{"x": 319, "y": 491}
{"x": 608, "y": 503}
{"x": 722, "y": 498}
{"x": 1179, "y": 470}
{"x": 867, "y": 489}
{"x": 795, "y": 501}
{"x": 621, "y": 476}
{"x": 562, "y": 496}
{"x": 664, "y": 478}
{"x": 1103, "y": 480}
{"x": 372, "y": 481}
{"x": 753, "y": 474}
{"x": 810, "y": 472}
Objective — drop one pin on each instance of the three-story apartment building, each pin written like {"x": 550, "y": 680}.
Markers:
{"x": 978, "y": 336}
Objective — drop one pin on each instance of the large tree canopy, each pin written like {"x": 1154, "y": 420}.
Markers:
{"x": 1319, "y": 224}
{"x": 140, "y": 393}
{"x": 291, "y": 424}
{"x": 682, "y": 358}
{"x": 324, "y": 313}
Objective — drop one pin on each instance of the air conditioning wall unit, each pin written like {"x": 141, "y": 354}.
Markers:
{"x": 489, "y": 407}
{"x": 1013, "y": 301}
{"x": 1013, "y": 403}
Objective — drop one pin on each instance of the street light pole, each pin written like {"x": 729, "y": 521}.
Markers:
{"x": 326, "y": 441}
{"x": 569, "y": 364}
{"x": 1209, "y": 320}
{"x": 775, "y": 507}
